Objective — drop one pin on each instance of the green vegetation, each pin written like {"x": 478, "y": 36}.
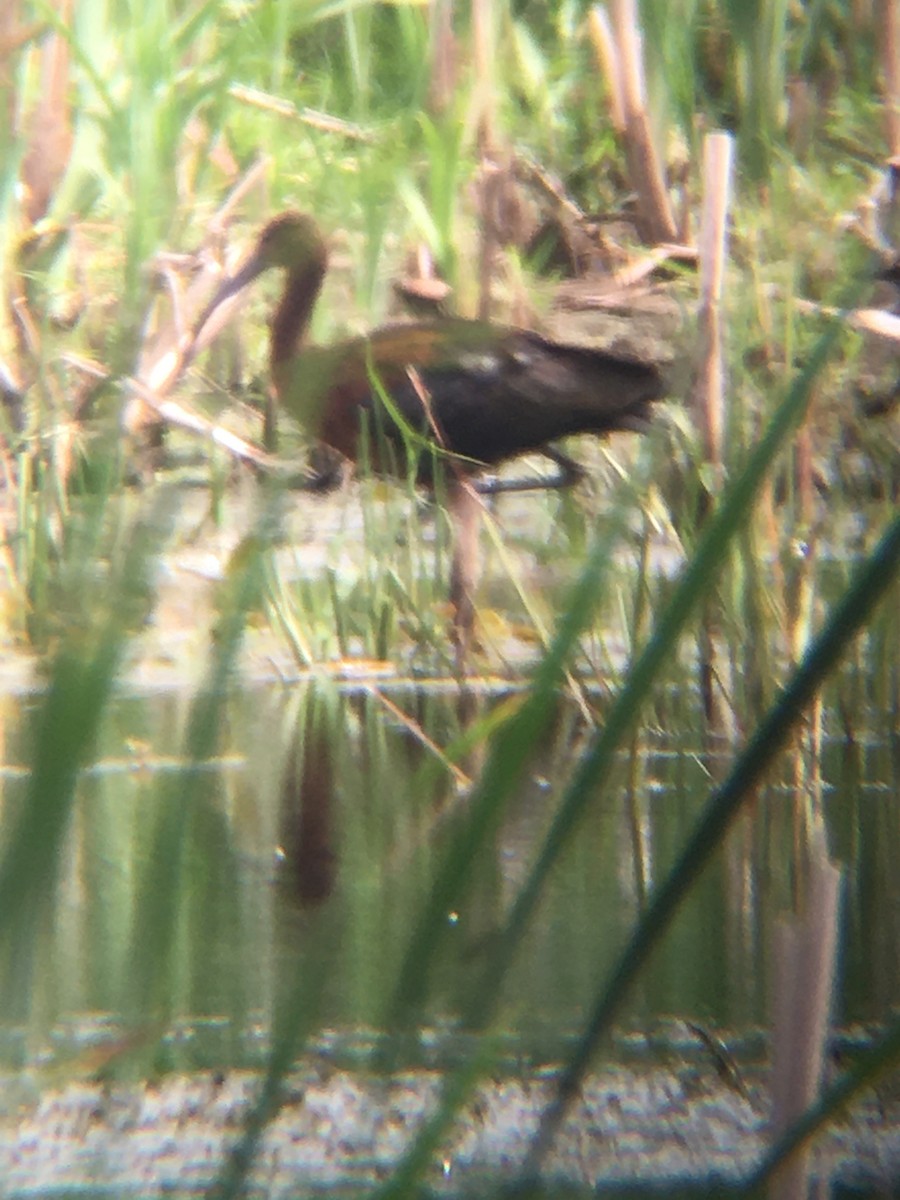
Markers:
{"x": 137, "y": 134}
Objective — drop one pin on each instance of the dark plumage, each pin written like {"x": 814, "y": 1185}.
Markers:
{"x": 465, "y": 394}
{"x": 477, "y": 394}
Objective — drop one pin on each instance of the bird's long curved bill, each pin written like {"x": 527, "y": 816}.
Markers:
{"x": 217, "y": 313}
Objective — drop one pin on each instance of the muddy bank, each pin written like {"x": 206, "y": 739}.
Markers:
{"x": 345, "y": 1131}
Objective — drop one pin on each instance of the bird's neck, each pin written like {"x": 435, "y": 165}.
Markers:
{"x": 292, "y": 317}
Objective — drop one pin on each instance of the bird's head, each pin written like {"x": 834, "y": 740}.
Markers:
{"x": 291, "y": 240}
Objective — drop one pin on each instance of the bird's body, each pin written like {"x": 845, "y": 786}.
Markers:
{"x": 466, "y": 394}
{"x": 445, "y": 394}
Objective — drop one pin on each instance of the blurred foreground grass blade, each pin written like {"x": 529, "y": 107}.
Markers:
{"x": 696, "y": 581}
{"x": 81, "y": 682}
{"x": 508, "y": 759}
{"x": 295, "y": 1027}
{"x": 319, "y": 720}
{"x": 848, "y": 616}
{"x": 162, "y": 891}
{"x": 69, "y": 720}
{"x": 505, "y": 770}
{"x": 760, "y": 33}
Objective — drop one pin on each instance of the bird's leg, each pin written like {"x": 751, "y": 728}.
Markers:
{"x": 465, "y": 513}
{"x": 570, "y": 472}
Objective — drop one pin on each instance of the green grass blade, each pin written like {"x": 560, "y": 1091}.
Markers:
{"x": 300, "y": 1014}
{"x": 82, "y": 679}
{"x": 161, "y": 893}
{"x": 505, "y": 770}
{"x": 848, "y": 616}
{"x": 507, "y": 761}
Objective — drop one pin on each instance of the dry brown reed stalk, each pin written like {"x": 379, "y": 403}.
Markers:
{"x": 607, "y": 55}
{"x": 311, "y": 117}
{"x": 13, "y": 36}
{"x": 617, "y": 46}
{"x": 803, "y": 985}
{"x": 465, "y": 512}
{"x": 419, "y": 288}
{"x": 638, "y": 825}
{"x": 46, "y": 132}
{"x": 462, "y": 781}
{"x": 499, "y": 206}
{"x": 888, "y": 29}
{"x": 172, "y": 412}
{"x": 166, "y": 353}
{"x": 868, "y": 320}
{"x": 444, "y": 53}
{"x": 709, "y": 394}
{"x": 49, "y": 126}
{"x": 807, "y": 789}
{"x": 493, "y": 181}
{"x": 484, "y": 45}
{"x": 490, "y": 181}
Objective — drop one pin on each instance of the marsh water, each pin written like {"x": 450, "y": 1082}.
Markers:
{"x": 211, "y": 892}
{"x": 195, "y": 901}
{"x": 349, "y": 804}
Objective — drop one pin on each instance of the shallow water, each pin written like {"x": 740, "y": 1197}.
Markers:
{"x": 194, "y": 905}
{"x": 314, "y": 838}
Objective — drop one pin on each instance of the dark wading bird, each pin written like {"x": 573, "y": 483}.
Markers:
{"x": 448, "y": 396}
